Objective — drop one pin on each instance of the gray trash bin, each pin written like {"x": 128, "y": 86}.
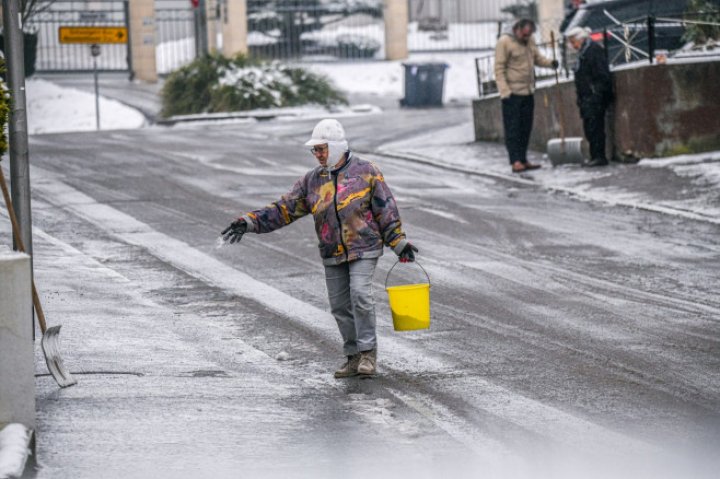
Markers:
{"x": 424, "y": 84}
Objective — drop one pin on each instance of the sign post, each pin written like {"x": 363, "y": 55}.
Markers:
{"x": 93, "y": 36}
{"x": 95, "y": 52}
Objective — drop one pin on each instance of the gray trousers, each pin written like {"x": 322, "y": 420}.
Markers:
{"x": 351, "y": 303}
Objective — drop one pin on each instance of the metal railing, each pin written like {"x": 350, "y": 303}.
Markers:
{"x": 175, "y": 32}
{"x": 485, "y": 67}
{"x": 647, "y": 38}
{"x": 650, "y": 39}
{"x": 338, "y": 29}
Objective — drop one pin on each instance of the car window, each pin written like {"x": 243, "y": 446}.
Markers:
{"x": 594, "y": 17}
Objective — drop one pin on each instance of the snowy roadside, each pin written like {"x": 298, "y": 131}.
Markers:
{"x": 54, "y": 109}
{"x": 686, "y": 185}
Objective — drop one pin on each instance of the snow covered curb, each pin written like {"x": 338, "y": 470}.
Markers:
{"x": 576, "y": 192}
{"x": 14, "y": 450}
{"x": 269, "y": 114}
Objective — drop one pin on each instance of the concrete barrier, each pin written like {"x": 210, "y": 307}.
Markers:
{"x": 17, "y": 369}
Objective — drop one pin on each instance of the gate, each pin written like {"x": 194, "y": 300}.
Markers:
{"x": 52, "y": 56}
{"x": 175, "y": 28}
{"x": 315, "y": 30}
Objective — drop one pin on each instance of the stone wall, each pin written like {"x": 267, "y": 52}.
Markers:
{"x": 660, "y": 110}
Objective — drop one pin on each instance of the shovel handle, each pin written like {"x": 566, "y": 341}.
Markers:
{"x": 21, "y": 248}
{"x": 396, "y": 263}
{"x": 557, "y": 92}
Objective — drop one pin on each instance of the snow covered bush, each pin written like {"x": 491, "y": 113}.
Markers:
{"x": 707, "y": 28}
{"x": 218, "y": 84}
{"x": 357, "y": 46}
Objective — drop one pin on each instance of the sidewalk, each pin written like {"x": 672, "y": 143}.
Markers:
{"x": 684, "y": 186}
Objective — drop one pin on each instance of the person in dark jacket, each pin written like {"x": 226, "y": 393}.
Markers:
{"x": 593, "y": 85}
{"x": 355, "y": 217}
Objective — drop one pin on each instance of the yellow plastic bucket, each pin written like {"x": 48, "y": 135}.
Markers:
{"x": 409, "y": 304}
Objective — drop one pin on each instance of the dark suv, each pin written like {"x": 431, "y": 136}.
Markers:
{"x": 633, "y": 14}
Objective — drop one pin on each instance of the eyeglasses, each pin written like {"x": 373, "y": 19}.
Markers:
{"x": 318, "y": 149}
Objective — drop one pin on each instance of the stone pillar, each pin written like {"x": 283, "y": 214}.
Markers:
{"x": 17, "y": 358}
{"x": 234, "y": 27}
{"x": 211, "y": 15}
{"x": 395, "y": 13}
{"x": 142, "y": 40}
{"x": 550, "y": 16}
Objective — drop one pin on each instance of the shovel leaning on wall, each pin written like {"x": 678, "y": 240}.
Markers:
{"x": 563, "y": 150}
{"x": 50, "y": 341}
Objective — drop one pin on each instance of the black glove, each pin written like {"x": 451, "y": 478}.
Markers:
{"x": 407, "y": 255}
{"x": 555, "y": 64}
{"x": 235, "y": 231}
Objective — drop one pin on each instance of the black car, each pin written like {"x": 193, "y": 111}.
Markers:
{"x": 626, "y": 24}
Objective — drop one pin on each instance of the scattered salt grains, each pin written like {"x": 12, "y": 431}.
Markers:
{"x": 219, "y": 242}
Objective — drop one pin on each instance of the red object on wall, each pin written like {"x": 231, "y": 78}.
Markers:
{"x": 195, "y": 3}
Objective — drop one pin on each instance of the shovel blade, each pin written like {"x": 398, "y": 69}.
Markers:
{"x": 565, "y": 151}
{"x": 50, "y": 343}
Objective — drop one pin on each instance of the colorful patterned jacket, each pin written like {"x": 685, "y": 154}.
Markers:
{"x": 355, "y": 212}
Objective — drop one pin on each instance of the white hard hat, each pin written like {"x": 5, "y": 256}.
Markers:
{"x": 327, "y": 131}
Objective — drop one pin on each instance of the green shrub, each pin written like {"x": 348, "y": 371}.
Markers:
{"x": 218, "y": 84}
{"x": 706, "y": 12}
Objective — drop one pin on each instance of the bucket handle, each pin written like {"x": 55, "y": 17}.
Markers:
{"x": 396, "y": 263}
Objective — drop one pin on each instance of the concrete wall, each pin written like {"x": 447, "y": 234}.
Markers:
{"x": 142, "y": 40}
{"x": 17, "y": 367}
{"x": 234, "y": 27}
{"x": 550, "y": 16}
{"x": 660, "y": 110}
{"x": 395, "y": 13}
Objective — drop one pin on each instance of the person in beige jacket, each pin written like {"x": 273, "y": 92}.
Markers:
{"x": 515, "y": 58}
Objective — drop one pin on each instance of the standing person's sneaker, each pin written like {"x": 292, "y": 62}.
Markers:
{"x": 368, "y": 359}
{"x": 350, "y": 368}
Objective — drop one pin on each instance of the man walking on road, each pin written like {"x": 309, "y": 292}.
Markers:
{"x": 355, "y": 217}
{"x": 515, "y": 57}
{"x": 593, "y": 85}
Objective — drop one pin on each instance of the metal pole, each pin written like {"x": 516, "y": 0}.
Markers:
{"x": 606, "y": 44}
{"x": 126, "y": 8}
{"x": 97, "y": 94}
{"x": 204, "y": 49}
{"x": 651, "y": 38}
{"x": 17, "y": 124}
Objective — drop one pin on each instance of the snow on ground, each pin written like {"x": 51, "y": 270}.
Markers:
{"x": 388, "y": 77}
{"x": 53, "y": 109}
{"x": 14, "y": 442}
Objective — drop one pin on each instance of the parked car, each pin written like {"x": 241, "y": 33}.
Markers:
{"x": 632, "y": 15}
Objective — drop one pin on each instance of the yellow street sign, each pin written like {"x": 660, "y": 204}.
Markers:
{"x": 93, "y": 34}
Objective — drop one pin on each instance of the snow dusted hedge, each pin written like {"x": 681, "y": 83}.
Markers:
{"x": 218, "y": 84}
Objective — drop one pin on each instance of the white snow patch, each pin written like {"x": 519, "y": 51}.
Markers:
{"x": 443, "y": 214}
{"x": 14, "y": 451}
{"x": 54, "y": 109}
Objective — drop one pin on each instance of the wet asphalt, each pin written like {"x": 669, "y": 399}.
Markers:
{"x": 569, "y": 338}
